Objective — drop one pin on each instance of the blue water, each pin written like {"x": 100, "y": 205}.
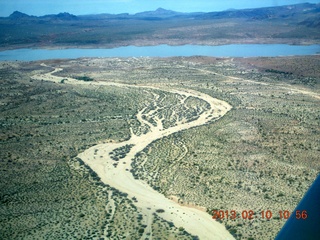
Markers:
{"x": 233, "y": 50}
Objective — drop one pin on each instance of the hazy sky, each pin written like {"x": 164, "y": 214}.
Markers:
{"x": 78, "y": 7}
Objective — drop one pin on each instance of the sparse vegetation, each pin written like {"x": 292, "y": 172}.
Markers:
{"x": 262, "y": 155}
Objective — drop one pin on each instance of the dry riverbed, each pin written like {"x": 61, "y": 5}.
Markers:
{"x": 117, "y": 173}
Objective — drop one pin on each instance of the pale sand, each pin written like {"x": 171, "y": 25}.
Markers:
{"x": 194, "y": 221}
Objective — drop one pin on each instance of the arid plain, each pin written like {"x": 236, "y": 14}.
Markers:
{"x": 195, "y": 133}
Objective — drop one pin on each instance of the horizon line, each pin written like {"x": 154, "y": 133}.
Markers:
{"x": 228, "y": 9}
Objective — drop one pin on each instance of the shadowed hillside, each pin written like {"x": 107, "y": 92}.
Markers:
{"x": 294, "y": 24}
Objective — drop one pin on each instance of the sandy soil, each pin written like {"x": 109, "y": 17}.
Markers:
{"x": 290, "y": 88}
{"x": 194, "y": 221}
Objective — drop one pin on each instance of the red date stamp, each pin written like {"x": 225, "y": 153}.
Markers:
{"x": 250, "y": 214}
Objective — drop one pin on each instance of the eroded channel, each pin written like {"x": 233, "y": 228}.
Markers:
{"x": 114, "y": 164}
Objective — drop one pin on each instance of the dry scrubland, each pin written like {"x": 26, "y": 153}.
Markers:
{"x": 261, "y": 155}
{"x": 45, "y": 191}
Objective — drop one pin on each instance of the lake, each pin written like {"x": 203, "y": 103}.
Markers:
{"x": 232, "y": 50}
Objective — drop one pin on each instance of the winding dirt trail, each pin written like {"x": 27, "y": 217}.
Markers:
{"x": 194, "y": 221}
{"x": 293, "y": 90}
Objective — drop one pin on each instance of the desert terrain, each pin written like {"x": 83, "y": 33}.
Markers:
{"x": 296, "y": 24}
{"x": 146, "y": 148}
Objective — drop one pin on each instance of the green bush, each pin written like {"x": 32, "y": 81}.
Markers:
{"x": 84, "y": 78}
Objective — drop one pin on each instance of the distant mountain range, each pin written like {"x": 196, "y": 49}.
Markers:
{"x": 294, "y": 24}
{"x": 162, "y": 14}
{"x": 16, "y": 15}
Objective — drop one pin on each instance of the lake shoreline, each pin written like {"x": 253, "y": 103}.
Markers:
{"x": 229, "y": 50}
{"x": 146, "y": 43}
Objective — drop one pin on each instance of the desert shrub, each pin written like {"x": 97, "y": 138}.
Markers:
{"x": 84, "y": 78}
